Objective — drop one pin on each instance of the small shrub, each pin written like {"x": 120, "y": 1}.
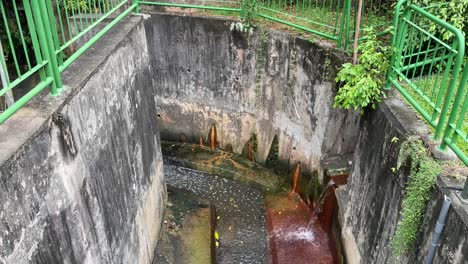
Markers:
{"x": 363, "y": 81}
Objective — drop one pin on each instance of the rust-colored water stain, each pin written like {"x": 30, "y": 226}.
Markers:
{"x": 250, "y": 151}
{"x": 213, "y": 137}
{"x": 340, "y": 179}
{"x": 326, "y": 208}
{"x": 292, "y": 237}
{"x": 295, "y": 176}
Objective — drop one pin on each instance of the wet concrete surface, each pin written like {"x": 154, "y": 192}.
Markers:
{"x": 241, "y": 215}
{"x": 187, "y": 231}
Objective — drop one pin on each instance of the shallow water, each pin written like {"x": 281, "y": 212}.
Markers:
{"x": 292, "y": 237}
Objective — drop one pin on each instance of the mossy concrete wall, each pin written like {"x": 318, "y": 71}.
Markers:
{"x": 264, "y": 82}
{"x": 372, "y": 201}
{"x": 81, "y": 174}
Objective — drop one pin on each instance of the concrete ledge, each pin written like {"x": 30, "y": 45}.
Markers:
{"x": 24, "y": 124}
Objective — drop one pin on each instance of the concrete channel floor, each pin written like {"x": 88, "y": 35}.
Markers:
{"x": 241, "y": 215}
{"x": 187, "y": 234}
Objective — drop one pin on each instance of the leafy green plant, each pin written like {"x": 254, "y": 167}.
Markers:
{"x": 250, "y": 10}
{"x": 363, "y": 81}
{"x": 423, "y": 172}
{"x": 84, "y": 6}
{"x": 454, "y": 12}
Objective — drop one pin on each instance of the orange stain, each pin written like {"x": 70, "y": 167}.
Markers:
{"x": 296, "y": 174}
{"x": 213, "y": 137}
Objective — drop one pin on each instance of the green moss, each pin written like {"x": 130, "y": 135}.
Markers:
{"x": 224, "y": 164}
{"x": 262, "y": 47}
{"x": 423, "y": 172}
{"x": 273, "y": 162}
{"x": 250, "y": 149}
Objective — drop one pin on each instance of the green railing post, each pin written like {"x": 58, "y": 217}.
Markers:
{"x": 41, "y": 17}
{"x": 453, "y": 115}
{"x": 243, "y": 8}
{"x": 347, "y": 23}
{"x": 397, "y": 45}
{"x": 34, "y": 37}
{"x": 342, "y": 24}
{"x": 137, "y": 9}
{"x": 53, "y": 27}
{"x": 396, "y": 20}
{"x": 43, "y": 43}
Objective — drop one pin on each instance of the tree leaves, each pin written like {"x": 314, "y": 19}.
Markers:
{"x": 363, "y": 81}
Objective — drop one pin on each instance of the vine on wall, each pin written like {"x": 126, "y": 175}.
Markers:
{"x": 423, "y": 172}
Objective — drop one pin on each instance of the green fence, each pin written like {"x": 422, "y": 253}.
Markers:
{"x": 426, "y": 70}
{"x": 220, "y": 5}
{"x": 39, "y": 39}
{"x": 330, "y": 19}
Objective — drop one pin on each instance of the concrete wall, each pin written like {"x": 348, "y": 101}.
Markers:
{"x": 206, "y": 71}
{"x": 81, "y": 174}
{"x": 374, "y": 193}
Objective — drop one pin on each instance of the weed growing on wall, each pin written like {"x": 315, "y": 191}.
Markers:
{"x": 363, "y": 81}
{"x": 423, "y": 172}
{"x": 83, "y": 6}
{"x": 250, "y": 10}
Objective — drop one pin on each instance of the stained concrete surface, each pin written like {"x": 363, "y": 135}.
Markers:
{"x": 81, "y": 173}
{"x": 187, "y": 235}
{"x": 267, "y": 83}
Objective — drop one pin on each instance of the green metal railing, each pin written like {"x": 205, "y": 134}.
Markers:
{"x": 39, "y": 39}
{"x": 325, "y": 18}
{"x": 330, "y": 19}
{"x": 219, "y": 5}
{"x": 19, "y": 43}
{"x": 426, "y": 69}
{"x": 457, "y": 123}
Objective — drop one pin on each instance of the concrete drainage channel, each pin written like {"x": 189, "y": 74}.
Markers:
{"x": 243, "y": 196}
{"x": 255, "y": 147}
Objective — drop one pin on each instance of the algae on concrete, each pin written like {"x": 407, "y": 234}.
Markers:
{"x": 224, "y": 164}
{"x": 186, "y": 236}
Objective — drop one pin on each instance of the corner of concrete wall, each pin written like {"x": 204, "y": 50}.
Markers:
{"x": 375, "y": 192}
{"x": 84, "y": 182}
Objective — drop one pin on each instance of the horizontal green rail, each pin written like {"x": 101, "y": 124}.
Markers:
{"x": 181, "y": 5}
{"x": 329, "y": 19}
